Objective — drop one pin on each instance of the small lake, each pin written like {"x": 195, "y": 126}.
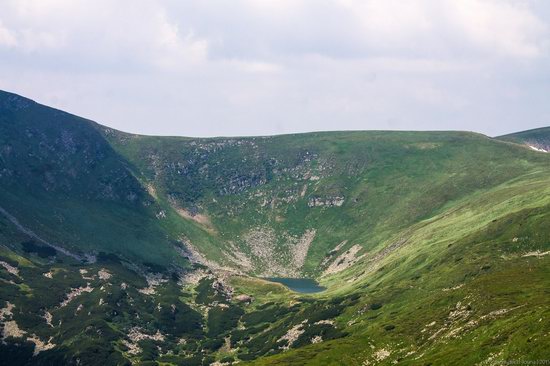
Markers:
{"x": 303, "y": 285}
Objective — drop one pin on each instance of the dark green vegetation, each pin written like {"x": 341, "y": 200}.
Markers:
{"x": 119, "y": 249}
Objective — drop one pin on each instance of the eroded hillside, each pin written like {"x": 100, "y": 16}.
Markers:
{"x": 313, "y": 204}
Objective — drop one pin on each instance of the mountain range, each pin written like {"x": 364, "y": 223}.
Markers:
{"x": 119, "y": 249}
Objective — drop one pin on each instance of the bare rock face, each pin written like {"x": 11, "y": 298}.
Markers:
{"x": 244, "y": 298}
{"x": 335, "y": 201}
{"x": 540, "y": 147}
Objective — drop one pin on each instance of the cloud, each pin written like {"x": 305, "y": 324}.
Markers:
{"x": 246, "y": 29}
{"x": 272, "y": 66}
{"x": 7, "y": 38}
{"x": 103, "y": 34}
{"x": 510, "y": 28}
{"x": 172, "y": 49}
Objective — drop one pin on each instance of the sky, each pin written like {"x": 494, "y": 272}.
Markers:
{"x": 262, "y": 67}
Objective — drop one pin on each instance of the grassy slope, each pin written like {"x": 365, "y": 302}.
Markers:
{"x": 390, "y": 181}
{"x": 452, "y": 196}
{"x": 467, "y": 283}
{"x": 467, "y": 287}
{"x": 62, "y": 180}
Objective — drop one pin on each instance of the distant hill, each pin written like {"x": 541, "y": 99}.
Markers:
{"x": 536, "y": 139}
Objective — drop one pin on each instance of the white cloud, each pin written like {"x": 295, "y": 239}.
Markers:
{"x": 7, "y": 38}
{"x": 32, "y": 40}
{"x": 256, "y": 66}
{"x": 392, "y": 19}
{"x": 510, "y": 28}
{"x": 175, "y": 50}
{"x": 265, "y": 66}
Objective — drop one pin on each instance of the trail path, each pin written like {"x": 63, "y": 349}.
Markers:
{"x": 31, "y": 234}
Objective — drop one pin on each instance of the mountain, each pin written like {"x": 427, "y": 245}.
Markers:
{"x": 121, "y": 249}
{"x": 537, "y": 139}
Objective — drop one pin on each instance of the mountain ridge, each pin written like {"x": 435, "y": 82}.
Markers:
{"x": 187, "y": 204}
{"x": 432, "y": 246}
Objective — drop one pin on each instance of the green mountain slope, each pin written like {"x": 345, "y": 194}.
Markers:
{"x": 537, "y": 139}
{"x": 434, "y": 246}
{"x": 469, "y": 286}
{"x": 312, "y": 192}
{"x": 62, "y": 180}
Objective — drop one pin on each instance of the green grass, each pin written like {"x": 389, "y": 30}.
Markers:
{"x": 390, "y": 180}
{"x": 454, "y": 230}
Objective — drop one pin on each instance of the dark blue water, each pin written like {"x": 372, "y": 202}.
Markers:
{"x": 303, "y": 285}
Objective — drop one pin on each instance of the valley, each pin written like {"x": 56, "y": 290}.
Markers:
{"x": 429, "y": 248}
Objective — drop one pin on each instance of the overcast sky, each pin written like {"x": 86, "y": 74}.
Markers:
{"x": 257, "y": 67}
